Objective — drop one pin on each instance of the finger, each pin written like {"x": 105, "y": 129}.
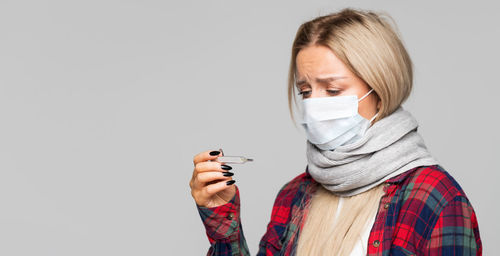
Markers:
{"x": 211, "y": 166}
{"x": 210, "y": 190}
{"x": 206, "y": 167}
{"x": 205, "y": 177}
{"x": 205, "y": 156}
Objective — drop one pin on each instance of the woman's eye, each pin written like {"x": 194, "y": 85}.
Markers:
{"x": 333, "y": 92}
{"x": 304, "y": 93}
{"x": 307, "y": 93}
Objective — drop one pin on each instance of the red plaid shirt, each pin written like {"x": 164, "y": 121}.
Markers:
{"x": 423, "y": 212}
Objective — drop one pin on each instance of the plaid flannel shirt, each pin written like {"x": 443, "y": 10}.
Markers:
{"x": 423, "y": 212}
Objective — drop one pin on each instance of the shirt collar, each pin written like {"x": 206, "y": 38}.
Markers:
{"x": 401, "y": 177}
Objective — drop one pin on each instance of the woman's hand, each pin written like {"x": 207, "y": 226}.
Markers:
{"x": 211, "y": 184}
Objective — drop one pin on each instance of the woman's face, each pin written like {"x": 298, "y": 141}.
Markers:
{"x": 322, "y": 74}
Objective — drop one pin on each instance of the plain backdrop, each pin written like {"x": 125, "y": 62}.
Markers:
{"x": 103, "y": 105}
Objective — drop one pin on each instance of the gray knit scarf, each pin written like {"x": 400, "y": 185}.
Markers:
{"x": 389, "y": 147}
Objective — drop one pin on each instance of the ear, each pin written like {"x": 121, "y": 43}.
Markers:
{"x": 379, "y": 104}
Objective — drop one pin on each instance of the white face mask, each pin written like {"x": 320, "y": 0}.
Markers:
{"x": 330, "y": 122}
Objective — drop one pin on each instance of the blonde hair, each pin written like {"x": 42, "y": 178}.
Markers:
{"x": 325, "y": 233}
{"x": 371, "y": 48}
{"x": 368, "y": 45}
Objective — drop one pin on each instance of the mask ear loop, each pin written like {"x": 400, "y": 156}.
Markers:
{"x": 365, "y": 95}
{"x": 373, "y": 118}
{"x": 376, "y": 114}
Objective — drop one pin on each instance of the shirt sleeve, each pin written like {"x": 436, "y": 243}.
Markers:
{"x": 456, "y": 231}
{"x": 223, "y": 228}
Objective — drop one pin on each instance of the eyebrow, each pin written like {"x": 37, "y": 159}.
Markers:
{"x": 325, "y": 79}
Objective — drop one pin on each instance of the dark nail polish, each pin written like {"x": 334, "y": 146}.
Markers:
{"x": 214, "y": 153}
{"x": 230, "y": 182}
{"x": 227, "y": 174}
{"x": 226, "y": 167}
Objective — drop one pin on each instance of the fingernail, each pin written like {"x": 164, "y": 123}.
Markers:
{"x": 230, "y": 182}
{"x": 226, "y": 167}
{"x": 227, "y": 174}
{"x": 214, "y": 153}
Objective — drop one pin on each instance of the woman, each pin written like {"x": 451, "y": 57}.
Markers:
{"x": 370, "y": 186}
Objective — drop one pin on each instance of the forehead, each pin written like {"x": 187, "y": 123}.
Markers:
{"x": 314, "y": 61}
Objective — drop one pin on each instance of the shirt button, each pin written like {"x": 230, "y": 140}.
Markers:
{"x": 387, "y": 184}
{"x": 376, "y": 243}
{"x": 386, "y": 206}
{"x": 230, "y": 216}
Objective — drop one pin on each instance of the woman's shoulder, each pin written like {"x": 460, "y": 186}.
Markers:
{"x": 430, "y": 185}
{"x": 291, "y": 197}
{"x": 430, "y": 200}
{"x": 299, "y": 182}
{"x": 293, "y": 191}
{"x": 435, "y": 178}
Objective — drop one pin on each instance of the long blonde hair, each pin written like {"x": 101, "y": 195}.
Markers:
{"x": 325, "y": 233}
{"x": 371, "y": 48}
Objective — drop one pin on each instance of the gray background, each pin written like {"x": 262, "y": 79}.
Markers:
{"x": 103, "y": 104}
